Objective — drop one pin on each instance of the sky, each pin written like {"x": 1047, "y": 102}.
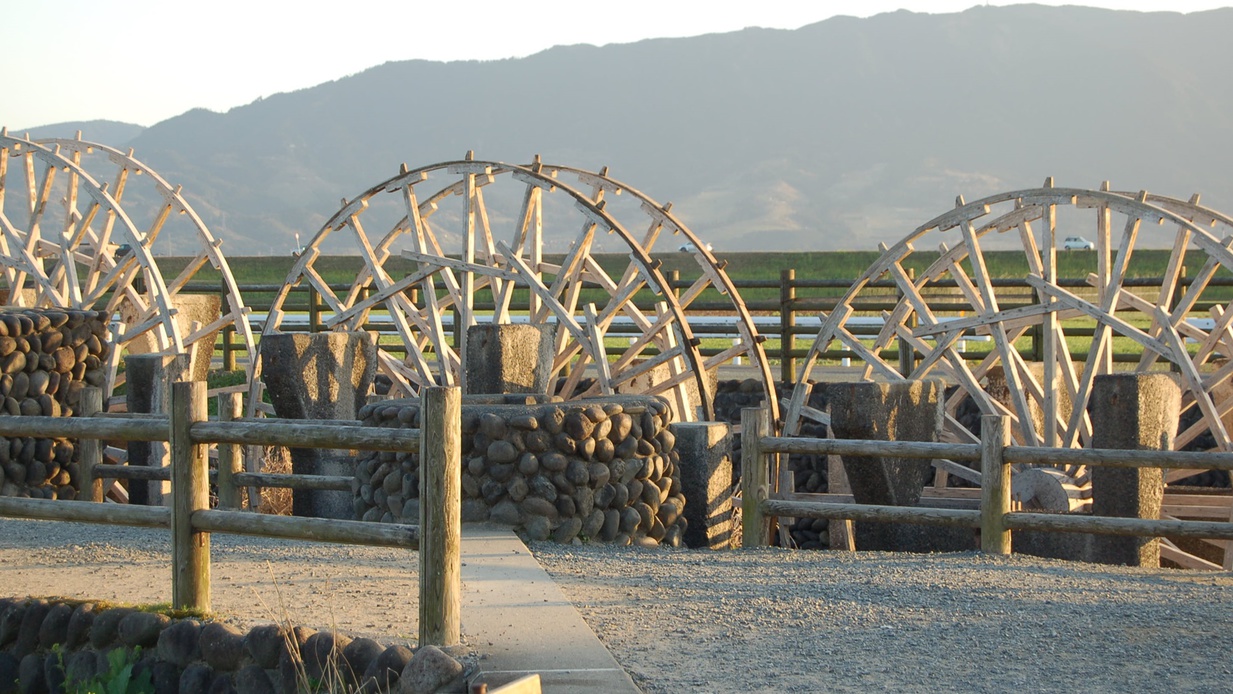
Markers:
{"x": 143, "y": 61}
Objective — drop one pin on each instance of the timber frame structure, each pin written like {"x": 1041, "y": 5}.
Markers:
{"x": 77, "y": 241}
{"x": 664, "y": 358}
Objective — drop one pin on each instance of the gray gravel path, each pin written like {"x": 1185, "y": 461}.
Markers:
{"x": 360, "y": 591}
{"x": 777, "y": 621}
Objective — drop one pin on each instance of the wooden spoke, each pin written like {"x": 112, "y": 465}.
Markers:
{"x": 1046, "y": 392}
{"x": 500, "y": 252}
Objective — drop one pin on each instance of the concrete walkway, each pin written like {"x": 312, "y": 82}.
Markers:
{"x": 516, "y": 616}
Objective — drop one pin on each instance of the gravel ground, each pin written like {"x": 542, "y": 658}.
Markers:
{"x": 744, "y": 620}
{"x": 779, "y": 621}
{"x": 359, "y": 591}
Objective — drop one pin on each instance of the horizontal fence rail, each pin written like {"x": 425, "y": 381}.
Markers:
{"x": 791, "y": 314}
{"x": 994, "y": 516}
{"x": 191, "y": 521}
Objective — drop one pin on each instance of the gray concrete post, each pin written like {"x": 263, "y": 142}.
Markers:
{"x": 503, "y": 358}
{"x": 192, "y": 312}
{"x": 319, "y": 376}
{"x": 899, "y": 411}
{"x": 1131, "y": 412}
{"x": 148, "y": 379}
{"x": 706, "y": 480}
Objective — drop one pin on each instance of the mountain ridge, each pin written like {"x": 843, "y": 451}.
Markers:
{"x": 841, "y": 134}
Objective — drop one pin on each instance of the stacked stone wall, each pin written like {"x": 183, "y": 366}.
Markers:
{"x": 47, "y": 358}
{"x": 603, "y": 469}
{"x": 44, "y": 644}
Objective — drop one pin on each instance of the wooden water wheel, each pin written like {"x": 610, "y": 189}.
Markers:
{"x": 473, "y": 236}
{"x": 59, "y": 241}
{"x": 1031, "y": 366}
{"x": 165, "y": 221}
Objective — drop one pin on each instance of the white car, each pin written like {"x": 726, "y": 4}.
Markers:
{"x": 1077, "y": 243}
{"x": 691, "y": 248}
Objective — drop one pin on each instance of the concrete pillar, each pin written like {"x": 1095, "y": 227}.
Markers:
{"x": 503, "y": 358}
{"x": 148, "y": 379}
{"x": 1131, "y": 412}
{"x": 899, "y": 411}
{"x": 192, "y": 312}
{"x": 319, "y": 376}
{"x": 706, "y": 480}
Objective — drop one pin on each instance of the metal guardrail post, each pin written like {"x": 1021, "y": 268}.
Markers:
{"x": 787, "y": 323}
{"x": 995, "y": 484}
{"x": 441, "y": 516}
{"x": 190, "y": 548}
{"x": 755, "y": 478}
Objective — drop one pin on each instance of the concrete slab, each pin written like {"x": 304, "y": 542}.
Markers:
{"x": 515, "y": 614}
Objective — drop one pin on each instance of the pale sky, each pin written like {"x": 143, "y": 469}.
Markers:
{"x": 143, "y": 61}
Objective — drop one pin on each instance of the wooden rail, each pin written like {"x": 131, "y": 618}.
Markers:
{"x": 797, "y": 298}
{"x": 994, "y": 516}
{"x": 191, "y": 521}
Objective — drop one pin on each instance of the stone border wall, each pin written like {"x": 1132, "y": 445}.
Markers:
{"x": 47, "y": 357}
{"x": 44, "y": 642}
{"x": 602, "y": 469}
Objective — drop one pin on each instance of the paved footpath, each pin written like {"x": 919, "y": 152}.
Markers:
{"x": 514, "y": 614}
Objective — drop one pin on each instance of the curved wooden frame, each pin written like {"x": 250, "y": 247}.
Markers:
{"x": 209, "y": 249}
{"x": 485, "y": 262}
{"x": 55, "y": 254}
{"x": 713, "y": 274}
{"x": 936, "y": 339}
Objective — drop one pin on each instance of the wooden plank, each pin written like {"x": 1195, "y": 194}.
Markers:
{"x": 529, "y": 684}
{"x": 311, "y": 529}
{"x": 126, "y": 429}
{"x": 879, "y": 514}
{"x": 1171, "y": 552}
{"x": 339, "y": 483}
{"x": 902, "y": 449}
{"x": 311, "y": 435}
{"x": 85, "y": 512}
{"x": 928, "y": 501}
{"x": 1104, "y": 525}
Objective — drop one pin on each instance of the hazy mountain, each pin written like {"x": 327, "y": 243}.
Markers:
{"x": 108, "y": 132}
{"x": 837, "y": 135}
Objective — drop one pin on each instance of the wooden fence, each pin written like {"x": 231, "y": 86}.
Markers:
{"x": 191, "y": 521}
{"x": 994, "y": 517}
{"x": 789, "y": 315}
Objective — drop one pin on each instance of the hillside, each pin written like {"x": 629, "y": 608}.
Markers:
{"x": 840, "y": 134}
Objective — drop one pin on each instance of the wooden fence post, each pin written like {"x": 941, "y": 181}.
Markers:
{"x": 755, "y": 478}
{"x": 995, "y": 484}
{"x": 440, "y": 516}
{"x": 907, "y": 353}
{"x": 229, "y": 454}
{"x": 787, "y": 322}
{"x": 91, "y": 449}
{"x": 314, "y": 310}
{"x": 190, "y": 549}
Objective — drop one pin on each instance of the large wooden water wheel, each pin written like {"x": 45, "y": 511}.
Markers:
{"x": 80, "y": 224}
{"x": 168, "y": 226}
{"x": 473, "y": 237}
{"x": 1041, "y": 355}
